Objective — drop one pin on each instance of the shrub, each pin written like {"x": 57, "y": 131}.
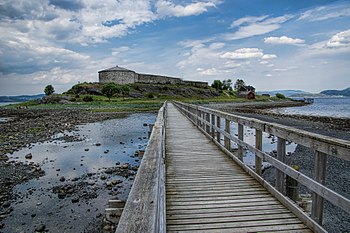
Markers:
{"x": 150, "y": 95}
{"x": 88, "y": 98}
{"x": 280, "y": 96}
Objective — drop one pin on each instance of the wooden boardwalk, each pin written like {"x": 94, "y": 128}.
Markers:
{"x": 207, "y": 192}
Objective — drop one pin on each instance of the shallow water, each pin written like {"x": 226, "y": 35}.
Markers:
{"x": 331, "y": 107}
{"x": 100, "y": 145}
{"x": 269, "y": 144}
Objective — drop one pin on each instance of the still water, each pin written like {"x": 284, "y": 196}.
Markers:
{"x": 331, "y": 107}
{"x": 100, "y": 146}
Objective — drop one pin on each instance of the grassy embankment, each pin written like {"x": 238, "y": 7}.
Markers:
{"x": 142, "y": 97}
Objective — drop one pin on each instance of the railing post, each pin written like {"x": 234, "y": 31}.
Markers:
{"x": 292, "y": 189}
{"x": 281, "y": 155}
{"x": 320, "y": 176}
{"x": 218, "y": 135}
{"x": 212, "y": 126}
{"x": 258, "y": 145}
{"x": 227, "y": 141}
{"x": 197, "y": 116}
{"x": 240, "y": 137}
{"x": 207, "y": 122}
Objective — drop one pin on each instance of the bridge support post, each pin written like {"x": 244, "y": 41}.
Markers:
{"x": 197, "y": 116}
{"x": 320, "y": 176}
{"x": 281, "y": 155}
{"x": 218, "y": 135}
{"x": 258, "y": 145}
{"x": 227, "y": 141}
{"x": 240, "y": 137}
{"x": 207, "y": 123}
{"x": 292, "y": 189}
{"x": 212, "y": 126}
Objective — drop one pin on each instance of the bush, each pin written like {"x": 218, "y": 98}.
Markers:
{"x": 88, "y": 98}
{"x": 280, "y": 96}
{"x": 110, "y": 89}
{"x": 150, "y": 95}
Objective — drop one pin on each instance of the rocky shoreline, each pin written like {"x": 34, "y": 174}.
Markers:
{"x": 338, "y": 171}
{"x": 23, "y": 127}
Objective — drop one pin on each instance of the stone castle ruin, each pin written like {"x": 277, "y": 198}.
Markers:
{"x": 121, "y": 75}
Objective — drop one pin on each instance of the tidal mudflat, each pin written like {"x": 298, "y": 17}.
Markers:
{"x": 80, "y": 171}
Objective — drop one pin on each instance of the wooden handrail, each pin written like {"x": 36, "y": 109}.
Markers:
{"x": 322, "y": 145}
{"x": 144, "y": 210}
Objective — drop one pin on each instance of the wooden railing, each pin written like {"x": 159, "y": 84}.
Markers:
{"x": 144, "y": 210}
{"x": 209, "y": 121}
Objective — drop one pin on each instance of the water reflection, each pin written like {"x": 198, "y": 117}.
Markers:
{"x": 96, "y": 146}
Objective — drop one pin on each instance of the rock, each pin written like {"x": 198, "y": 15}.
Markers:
{"x": 109, "y": 170}
{"x": 87, "y": 149}
{"x": 98, "y": 144}
{"x": 62, "y": 179}
{"x": 107, "y": 227}
{"x": 28, "y": 156}
{"x": 114, "y": 182}
{"x": 125, "y": 166}
{"x": 106, "y": 151}
{"x": 103, "y": 177}
{"x": 33, "y": 215}
{"x": 6, "y": 205}
{"x": 75, "y": 200}
{"x": 40, "y": 228}
{"x": 109, "y": 183}
{"x": 91, "y": 182}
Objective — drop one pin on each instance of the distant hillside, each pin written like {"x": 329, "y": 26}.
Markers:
{"x": 345, "y": 92}
{"x": 286, "y": 93}
{"x": 20, "y": 98}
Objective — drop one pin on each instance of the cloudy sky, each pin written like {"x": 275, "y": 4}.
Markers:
{"x": 271, "y": 44}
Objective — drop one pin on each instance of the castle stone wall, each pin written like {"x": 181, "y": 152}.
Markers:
{"x": 120, "y": 77}
{"x": 124, "y": 76}
{"x": 149, "y": 78}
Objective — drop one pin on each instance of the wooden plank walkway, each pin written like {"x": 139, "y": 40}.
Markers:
{"x": 207, "y": 192}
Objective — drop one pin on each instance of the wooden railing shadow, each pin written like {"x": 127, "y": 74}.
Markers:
{"x": 144, "y": 210}
{"x": 209, "y": 122}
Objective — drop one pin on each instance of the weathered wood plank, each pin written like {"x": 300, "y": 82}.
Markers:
{"x": 210, "y": 205}
{"x": 232, "y": 225}
{"x": 228, "y": 214}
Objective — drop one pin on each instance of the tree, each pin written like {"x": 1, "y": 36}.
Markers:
{"x": 109, "y": 90}
{"x": 49, "y": 90}
{"x": 217, "y": 84}
{"x": 227, "y": 84}
{"x": 125, "y": 90}
{"x": 238, "y": 84}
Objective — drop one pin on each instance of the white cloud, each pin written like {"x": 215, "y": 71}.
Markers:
{"x": 248, "y": 20}
{"x": 215, "y": 46}
{"x": 244, "y": 53}
{"x": 341, "y": 39}
{"x": 209, "y": 72}
{"x": 326, "y": 12}
{"x": 168, "y": 8}
{"x": 268, "y": 56}
{"x": 117, "y": 51}
{"x": 283, "y": 40}
{"x": 253, "y": 26}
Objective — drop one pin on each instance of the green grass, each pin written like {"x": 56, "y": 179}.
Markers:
{"x": 119, "y": 104}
